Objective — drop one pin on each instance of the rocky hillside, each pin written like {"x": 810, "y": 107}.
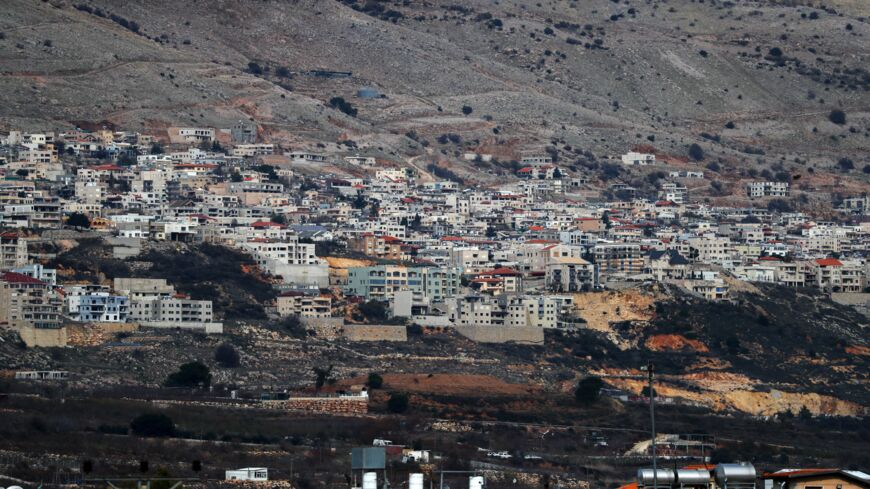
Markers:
{"x": 775, "y": 349}
{"x": 753, "y": 83}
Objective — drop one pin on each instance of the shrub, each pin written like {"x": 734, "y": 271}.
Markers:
{"x": 374, "y": 311}
{"x": 713, "y": 166}
{"x": 152, "y": 424}
{"x": 588, "y": 390}
{"x": 190, "y": 374}
{"x": 78, "y": 220}
{"x": 293, "y": 326}
{"x": 846, "y": 164}
{"x": 696, "y": 152}
{"x": 398, "y": 403}
{"x": 255, "y": 69}
{"x": 779, "y": 205}
{"x": 837, "y": 116}
{"x": 343, "y": 105}
{"x": 375, "y": 381}
{"x": 226, "y": 356}
{"x": 467, "y": 110}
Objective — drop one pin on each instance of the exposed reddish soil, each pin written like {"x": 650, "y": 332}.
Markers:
{"x": 674, "y": 342}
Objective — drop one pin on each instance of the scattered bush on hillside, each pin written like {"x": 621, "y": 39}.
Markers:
{"x": 255, "y": 69}
{"x": 78, "y": 220}
{"x": 342, "y": 105}
{"x": 588, "y": 390}
{"x": 779, "y": 205}
{"x": 846, "y": 164}
{"x": 398, "y": 403}
{"x": 192, "y": 374}
{"x": 226, "y": 356}
{"x": 444, "y": 173}
{"x": 375, "y": 381}
{"x": 292, "y": 326}
{"x": 696, "y": 152}
{"x": 837, "y": 116}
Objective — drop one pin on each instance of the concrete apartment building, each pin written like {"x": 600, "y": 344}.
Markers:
{"x": 569, "y": 274}
{"x": 13, "y": 251}
{"x": 95, "y": 303}
{"x": 617, "y": 259}
{"x": 548, "y": 312}
{"x": 154, "y": 303}
{"x": 835, "y": 275}
{"x": 382, "y": 282}
{"x": 190, "y": 135}
{"x": 26, "y": 301}
{"x": 248, "y": 150}
{"x": 710, "y": 249}
{"x": 386, "y": 247}
{"x": 768, "y": 189}
{"x": 674, "y": 192}
{"x": 638, "y": 159}
{"x": 304, "y": 305}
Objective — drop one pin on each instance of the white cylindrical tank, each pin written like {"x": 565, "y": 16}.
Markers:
{"x": 370, "y": 480}
{"x": 693, "y": 477}
{"x": 475, "y": 482}
{"x": 415, "y": 481}
{"x": 734, "y": 473}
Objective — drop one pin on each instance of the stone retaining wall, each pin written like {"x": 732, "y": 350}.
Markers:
{"x": 333, "y": 405}
{"x": 526, "y": 335}
{"x": 375, "y": 332}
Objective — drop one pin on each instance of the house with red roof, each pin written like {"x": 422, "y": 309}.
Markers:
{"x": 498, "y": 281}
{"x": 834, "y": 275}
{"x": 27, "y": 301}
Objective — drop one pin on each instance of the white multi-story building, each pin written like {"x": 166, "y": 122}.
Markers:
{"x": 638, "y": 159}
{"x": 768, "y": 189}
{"x": 94, "y": 303}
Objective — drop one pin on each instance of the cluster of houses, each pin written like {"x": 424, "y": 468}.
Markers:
{"x": 436, "y": 252}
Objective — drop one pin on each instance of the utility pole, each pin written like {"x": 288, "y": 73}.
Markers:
{"x": 652, "y": 419}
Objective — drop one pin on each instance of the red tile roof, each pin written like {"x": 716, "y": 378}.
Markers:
{"x": 501, "y": 271}
{"x": 829, "y": 262}
{"x": 19, "y": 278}
{"x": 267, "y": 224}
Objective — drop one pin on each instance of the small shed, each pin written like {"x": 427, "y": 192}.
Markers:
{"x": 248, "y": 474}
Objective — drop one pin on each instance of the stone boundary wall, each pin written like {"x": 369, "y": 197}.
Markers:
{"x": 332, "y": 405}
{"x": 526, "y": 335}
{"x": 318, "y": 405}
{"x": 375, "y": 332}
{"x": 851, "y": 298}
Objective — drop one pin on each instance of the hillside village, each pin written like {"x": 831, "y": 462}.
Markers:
{"x": 494, "y": 244}
{"x": 397, "y": 243}
{"x": 181, "y": 243}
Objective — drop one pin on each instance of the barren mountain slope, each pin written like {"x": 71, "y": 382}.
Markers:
{"x": 596, "y": 75}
